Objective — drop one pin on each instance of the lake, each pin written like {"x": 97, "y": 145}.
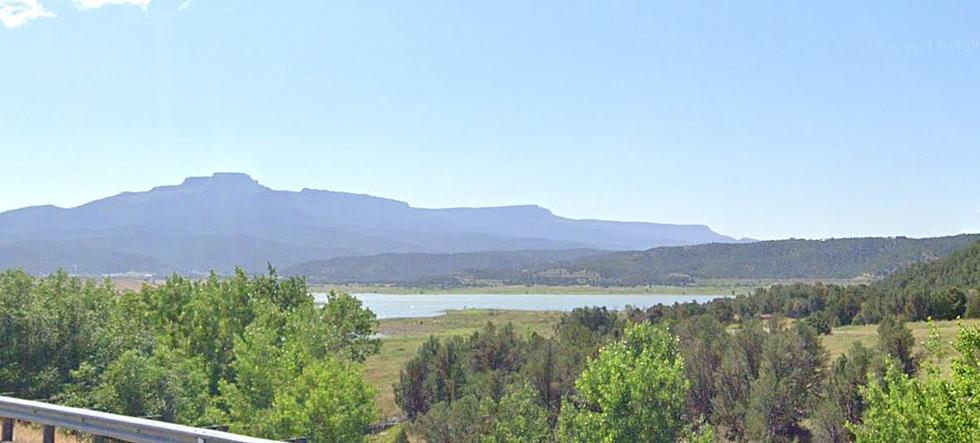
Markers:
{"x": 431, "y": 305}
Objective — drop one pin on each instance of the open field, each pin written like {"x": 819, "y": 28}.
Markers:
{"x": 842, "y": 338}
{"x": 709, "y": 287}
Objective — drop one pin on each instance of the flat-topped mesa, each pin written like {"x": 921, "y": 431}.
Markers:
{"x": 223, "y": 179}
{"x": 229, "y": 219}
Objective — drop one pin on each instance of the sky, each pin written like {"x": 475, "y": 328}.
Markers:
{"x": 767, "y": 119}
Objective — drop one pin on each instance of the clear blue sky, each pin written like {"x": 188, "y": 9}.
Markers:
{"x": 759, "y": 119}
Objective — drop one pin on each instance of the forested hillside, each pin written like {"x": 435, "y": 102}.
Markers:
{"x": 961, "y": 269}
{"x": 776, "y": 259}
{"x": 946, "y": 289}
{"x": 809, "y": 259}
{"x": 419, "y": 268}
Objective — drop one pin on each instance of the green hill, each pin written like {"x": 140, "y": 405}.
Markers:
{"x": 421, "y": 268}
{"x": 961, "y": 269}
{"x": 847, "y": 258}
{"x": 778, "y": 259}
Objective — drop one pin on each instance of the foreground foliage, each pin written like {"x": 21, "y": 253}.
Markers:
{"x": 928, "y": 409}
{"x": 635, "y": 387}
{"x": 256, "y": 354}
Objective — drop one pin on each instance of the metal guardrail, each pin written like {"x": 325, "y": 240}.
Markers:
{"x": 103, "y": 425}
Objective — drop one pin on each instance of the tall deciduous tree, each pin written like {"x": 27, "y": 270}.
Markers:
{"x": 634, "y": 391}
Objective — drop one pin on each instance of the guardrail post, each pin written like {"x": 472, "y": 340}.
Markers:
{"x": 98, "y": 439}
{"x": 8, "y": 430}
{"x": 48, "y": 434}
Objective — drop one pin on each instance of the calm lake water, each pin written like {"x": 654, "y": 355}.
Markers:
{"x": 431, "y": 305}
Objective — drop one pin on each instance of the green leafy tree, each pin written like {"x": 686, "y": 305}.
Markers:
{"x": 328, "y": 402}
{"x": 254, "y": 352}
{"x": 635, "y": 390}
{"x": 163, "y": 385}
{"x": 520, "y": 417}
{"x": 352, "y": 328}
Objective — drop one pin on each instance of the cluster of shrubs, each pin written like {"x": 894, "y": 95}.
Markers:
{"x": 603, "y": 377}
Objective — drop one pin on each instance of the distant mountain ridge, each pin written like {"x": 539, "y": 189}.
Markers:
{"x": 775, "y": 259}
{"x": 229, "y": 220}
{"x": 842, "y": 258}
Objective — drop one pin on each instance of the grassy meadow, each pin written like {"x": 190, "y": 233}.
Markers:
{"x": 842, "y": 338}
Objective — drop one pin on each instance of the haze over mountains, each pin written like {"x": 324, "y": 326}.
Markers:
{"x": 229, "y": 220}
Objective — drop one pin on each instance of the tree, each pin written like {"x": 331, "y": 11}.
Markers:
{"x": 895, "y": 339}
{"x": 842, "y": 403}
{"x": 411, "y": 392}
{"x": 436, "y": 374}
{"x": 635, "y": 390}
{"x": 541, "y": 371}
{"x": 462, "y": 421}
{"x": 790, "y": 375}
{"x": 733, "y": 386}
{"x": 328, "y": 402}
{"x": 739, "y": 366}
{"x": 947, "y": 304}
{"x": 973, "y": 304}
{"x": 703, "y": 343}
{"x": 519, "y": 417}
{"x": 352, "y": 327}
{"x": 164, "y": 385}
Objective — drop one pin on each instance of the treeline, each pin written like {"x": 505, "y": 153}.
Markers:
{"x": 777, "y": 259}
{"x": 252, "y": 353}
{"x": 602, "y": 377}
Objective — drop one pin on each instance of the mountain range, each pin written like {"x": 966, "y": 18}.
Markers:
{"x": 229, "y": 219}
